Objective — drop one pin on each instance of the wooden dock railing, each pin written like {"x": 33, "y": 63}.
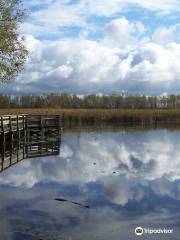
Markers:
{"x": 26, "y": 136}
{"x": 12, "y": 123}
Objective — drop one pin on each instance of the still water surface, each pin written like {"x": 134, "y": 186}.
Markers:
{"x": 128, "y": 178}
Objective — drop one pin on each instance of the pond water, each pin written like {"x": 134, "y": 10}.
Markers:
{"x": 109, "y": 182}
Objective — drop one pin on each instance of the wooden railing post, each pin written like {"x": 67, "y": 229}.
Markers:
{"x": 35, "y": 135}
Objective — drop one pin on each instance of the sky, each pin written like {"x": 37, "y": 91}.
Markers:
{"x": 100, "y": 46}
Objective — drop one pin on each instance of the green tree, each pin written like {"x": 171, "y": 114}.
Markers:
{"x": 12, "y": 50}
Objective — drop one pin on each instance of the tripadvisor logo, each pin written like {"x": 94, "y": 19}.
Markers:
{"x": 139, "y": 231}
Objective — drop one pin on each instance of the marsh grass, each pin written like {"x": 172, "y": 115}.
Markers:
{"x": 95, "y": 116}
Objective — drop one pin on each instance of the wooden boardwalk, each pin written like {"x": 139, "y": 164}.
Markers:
{"x": 43, "y": 133}
{"x": 26, "y": 136}
{"x": 12, "y": 123}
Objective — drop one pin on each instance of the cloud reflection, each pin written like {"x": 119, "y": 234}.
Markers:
{"x": 126, "y": 177}
{"x": 121, "y": 160}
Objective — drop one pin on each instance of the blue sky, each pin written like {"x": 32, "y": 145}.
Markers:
{"x": 85, "y": 46}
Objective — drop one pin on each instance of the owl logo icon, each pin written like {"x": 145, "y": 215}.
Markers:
{"x": 139, "y": 231}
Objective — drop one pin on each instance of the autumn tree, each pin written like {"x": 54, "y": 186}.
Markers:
{"x": 12, "y": 49}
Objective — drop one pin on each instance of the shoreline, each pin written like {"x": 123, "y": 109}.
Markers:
{"x": 95, "y": 116}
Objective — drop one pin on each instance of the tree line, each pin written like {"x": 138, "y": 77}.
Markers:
{"x": 91, "y": 101}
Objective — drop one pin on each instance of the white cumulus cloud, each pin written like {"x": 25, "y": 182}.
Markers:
{"x": 84, "y": 66}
